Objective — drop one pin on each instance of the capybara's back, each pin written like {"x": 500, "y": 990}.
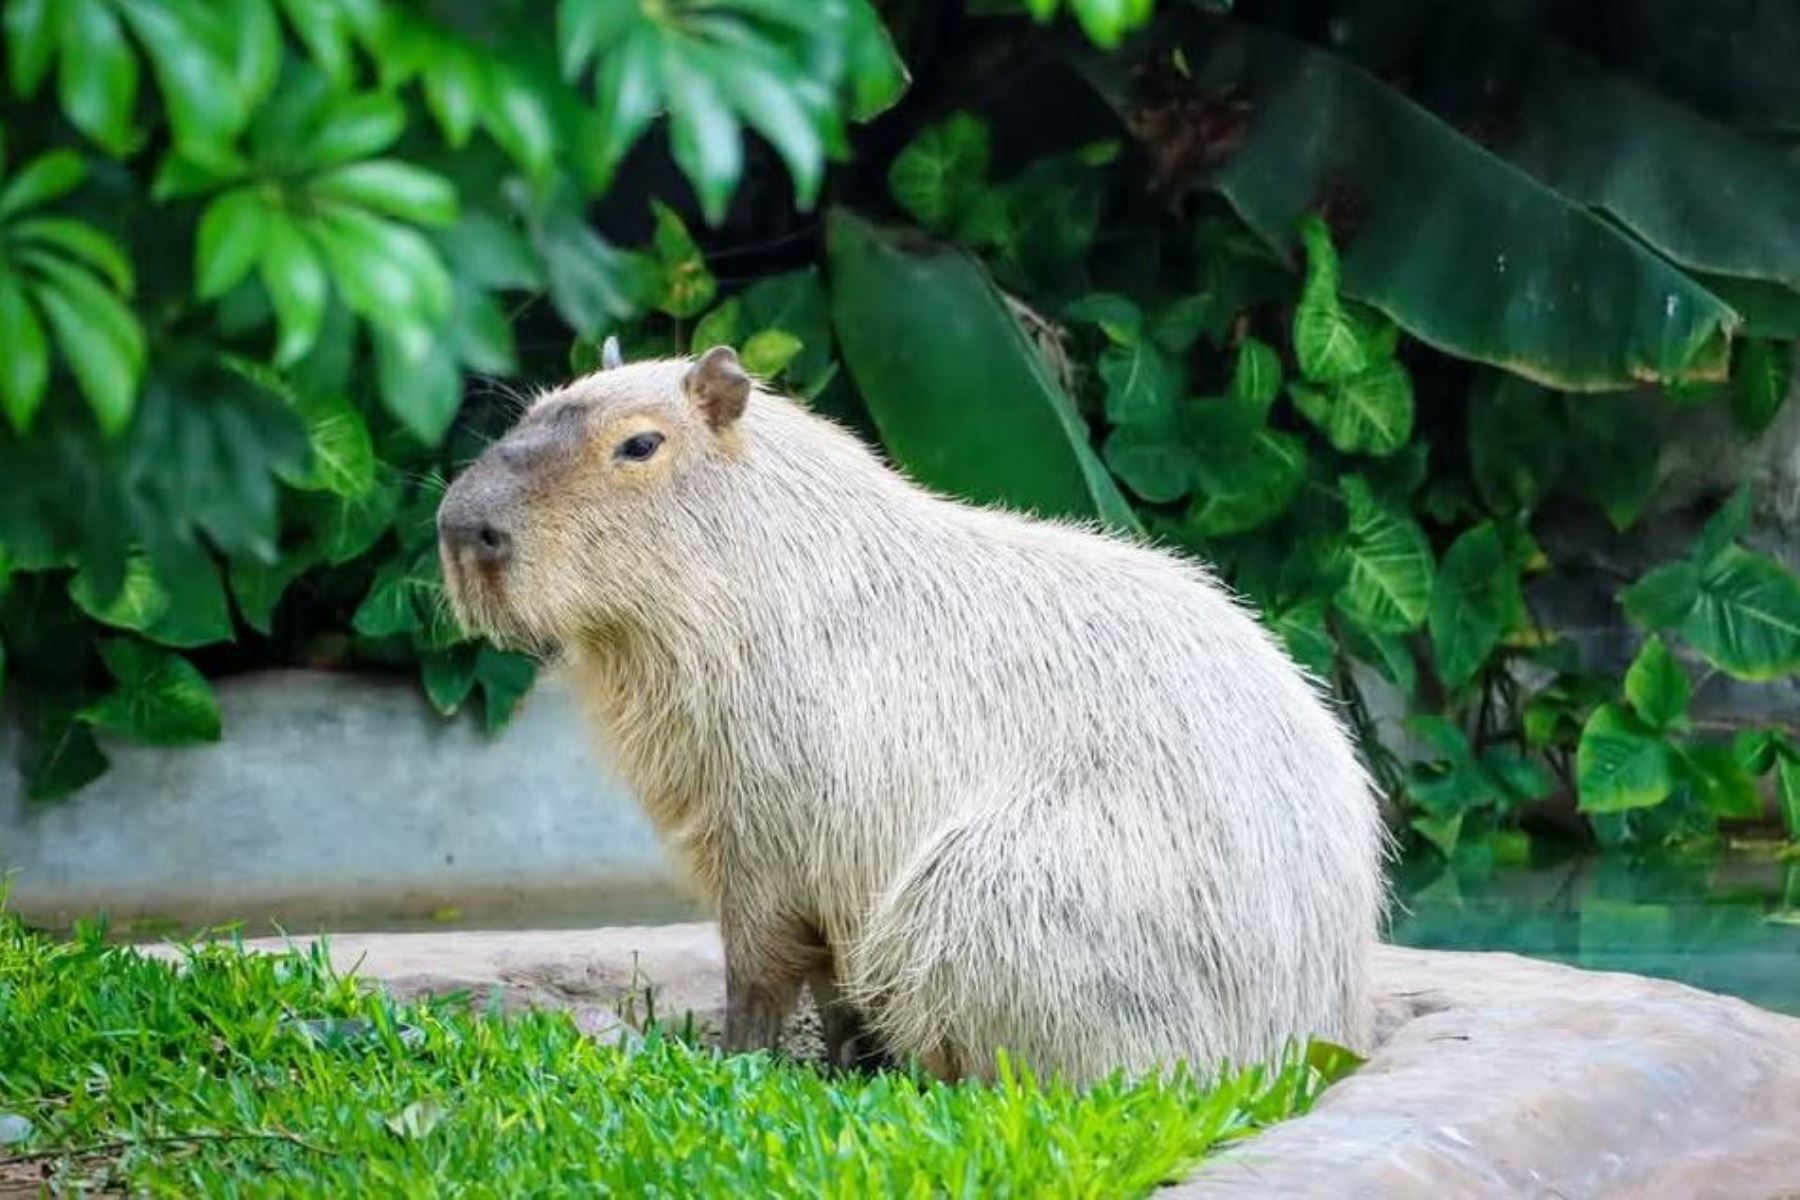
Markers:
{"x": 986, "y": 782}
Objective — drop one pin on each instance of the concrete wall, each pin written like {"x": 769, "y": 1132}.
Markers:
{"x": 343, "y": 799}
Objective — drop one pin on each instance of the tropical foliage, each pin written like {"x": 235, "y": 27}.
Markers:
{"x": 1355, "y": 300}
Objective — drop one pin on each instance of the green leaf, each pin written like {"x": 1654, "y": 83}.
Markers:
{"x": 384, "y": 271}
{"x": 344, "y": 528}
{"x": 720, "y": 327}
{"x": 1463, "y": 250}
{"x": 65, "y": 758}
{"x": 343, "y": 455}
{"x": 1723, "y": 528}
{"x": 353, "y": 127}
{"x": 1787, "y": 791}
{"x": 388, "y": 608}
{"x": 1724, "y": 787}
{"x": 232, "y": 235}
{"x": 420, "y": 386}
{"x": 1256, "y": 376}
{"x": 25, "y": 367}
{"x": 1657, "y": 687}
{"x": 1389, "y": 653}
{"x": 1119, "y": 318}
{"x": 939, "y": 174}
{"x": 482, "y": 333}
{"x": 324, "y": 29}
{"x": 43, "y": 179}
{"x": 877, "y": 73}
{"x": 1368, "y": 413}
{"x": 79, "y": 241}
{"x": 1619, "y": 765}
{"x": 448, "y": 676}
{"x": 516, "y": 115}
{"x": 1441, "y": 832}
{"x": 391, "y": 187}
{"x": 30, "y": 30}
{"x": 687, "y": 286}
{"x": 768, "y": 351}
{"x": 1515, "y": 441}
{"x": 703, "y": 134}
{"x": 1302, "y": 630}
{"x": 160, "y": 698}
{"x": 295, "y": 278}
{"x": 1759, "y": 384}
{"x": 1327, "y": 343}
{"x": 505, "y": 678}
{"x": 1663, "y": 597}
{"x": 190, "y": 52}
{"x": 1388, "y": 584}
{"x": 922, "y": 331}
{"x": 258, "y": 587}
{"x": 1746, "y": 617}
{"x": 1142, "y": 384}
{"x": 628, "y": 93}
{"x": 455, "y": 84}
{"x": 1474, "y": 598}
{"x": 99, "y": 337}
{"x": 1524, "y": 780}
{"x": 199, "y": 612}
{"x": 587, "y": 27}
{"x": 98, "y": 79}
{"x": 485, "y": 250}
{"x": 138, "y": 604}
{"x": 1246, "y": 486}
{"x": 778, "y": 110}
{"x": 1151, "y": 463}
{"x": 593, "y": 284}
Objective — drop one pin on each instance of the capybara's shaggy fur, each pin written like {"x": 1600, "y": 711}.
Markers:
{"x": 985, "y": 782}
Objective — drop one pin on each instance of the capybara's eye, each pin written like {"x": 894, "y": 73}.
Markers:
{"x": 638, "y": 446}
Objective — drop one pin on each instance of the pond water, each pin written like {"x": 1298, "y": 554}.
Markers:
{"x": 1726, "y": 922}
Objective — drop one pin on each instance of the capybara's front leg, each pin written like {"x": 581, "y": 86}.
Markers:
{"x": 765, "y": 963}
{"x": 849, "y": 1044}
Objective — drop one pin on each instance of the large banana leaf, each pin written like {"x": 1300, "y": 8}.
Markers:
{"x": 1706, "y": 196}
{"x": 1461, "y": 248}
{"x": 962, "y": 399}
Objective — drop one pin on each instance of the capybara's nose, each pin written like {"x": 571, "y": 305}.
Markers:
{"x": 464, "y": 532}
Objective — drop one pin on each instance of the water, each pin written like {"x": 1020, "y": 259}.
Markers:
{"x": 1727, "y": 922}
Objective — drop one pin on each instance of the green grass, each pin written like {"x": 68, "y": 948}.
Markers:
{"x": 236, "y": 1074}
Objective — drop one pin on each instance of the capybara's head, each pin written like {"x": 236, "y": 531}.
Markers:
{"x": 579, "y": 515}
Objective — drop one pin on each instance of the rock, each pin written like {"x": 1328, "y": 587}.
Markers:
{"x": 1496, "y": 1075}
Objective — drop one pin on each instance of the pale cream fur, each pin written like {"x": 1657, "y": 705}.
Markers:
{"x": 1004, "y": 783}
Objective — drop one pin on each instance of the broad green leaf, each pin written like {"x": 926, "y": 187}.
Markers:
{"x": 25, "y": 366}
{"x": 98, "y": 78}
{"x": 772, "y": 106}
{"x": 687, "y": 286}
{"x": 1523, "y": 779}
{"x": 516, "y": 115}
{"x": 485, "y": 250}
{"x": 392, "y": 188}
{"x": 353, "y": 127}
{"x": 232, "y": 235}
{"x": 1746, "y": 617}
{"x": 1256, "y": 375}
{"x": 345, "y": 528}
{"x": 254, "y": 35}
{"x": 768, "y": 351}
{"x": 587, "y": 27}
{"x": 1656, "y": 686}
{"x": 390, "y": 606}
{"x": 343, "y": 455}
{"x": 1663, "y": 597}
{"x": 504, "y": 679}
{"x": 1302, "y": 630}
{"x": 258, "y": 587}
{"x": 628, "y": 94}
{"x": 1442, "y": 832}
{"x": 64, "y": 758}
{"x": 1787, "y": 793}
{"x": 593, "y": 284}
{"x": 1759, "y": 384}
{"x": 1619, "y": 465}
{"x": 1464, "y": 251}
{"x": 877, "y": 73}
{"x": 324, "y": 30}
{"x": 1152, "y": 463}
{"x": 1369, "y": 413}
{"x": 199, "y": 611}
{"x": 384, "y": 271}
{"x": 1246, "y": 485}
{"x": 939, "y": 174}
{"x": 796, "y": 303}
{"x": 1474, "y": 598}
{"x": 481, "y": 332}
{"x": 1723, "y": 786}
{"x": 922, "y": 332}
{"x": 42, "y": 180}
{"x": 99, "y": 337}
{"x": 295, "y": 278}
{"x": 703, "y": 132}
{"x": 1389, "y": 582}
{"x": 448, "y": 676}
{"x": 1142, "y": 384}
{"x": 1389, "y": 653}
{"x": 137, "y": 605}
{"x": 159, "y": 697}
{"x": 1619, "y": 765}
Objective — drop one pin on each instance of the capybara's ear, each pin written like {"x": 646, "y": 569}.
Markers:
{"x": 718, "y": 386}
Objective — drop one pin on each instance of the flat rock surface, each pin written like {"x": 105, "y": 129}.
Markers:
{"x": 1496, "y": 1075}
